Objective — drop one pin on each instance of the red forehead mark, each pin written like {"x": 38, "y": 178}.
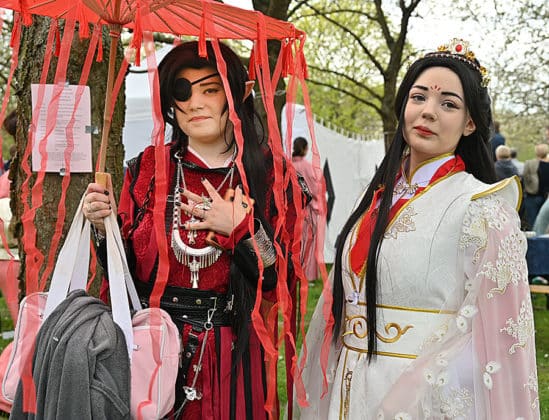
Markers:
{"x": 435, "y": 87}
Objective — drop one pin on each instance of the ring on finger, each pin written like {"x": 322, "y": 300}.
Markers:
{"x": 206, "y": 203}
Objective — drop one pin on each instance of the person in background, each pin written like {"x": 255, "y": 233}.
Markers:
{"x": 504, "y": 166}
{"x": 541, "y": 225}
{"x": 536, "y": 183}
{"x": 211, "y": 284}
{"x": 431, "y": 302}
{"x": 497, "y": 139}
{"x": 518, "y": 164}
{"x": 312, "y": 217}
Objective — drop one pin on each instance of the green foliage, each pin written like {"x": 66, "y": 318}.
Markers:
{"x": 541, "y": 322}
{"x": 342, "y": 78}
{"x": 522, "y": 131}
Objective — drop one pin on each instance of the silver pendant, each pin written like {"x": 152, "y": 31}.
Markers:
{"x": 191, "y": 393}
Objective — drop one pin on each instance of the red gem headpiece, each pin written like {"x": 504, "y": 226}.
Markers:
{"x": 459, "y": 50}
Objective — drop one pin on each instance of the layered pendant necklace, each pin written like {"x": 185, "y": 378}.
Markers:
{"x": 194, "y": 258}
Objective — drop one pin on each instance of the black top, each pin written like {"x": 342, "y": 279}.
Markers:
{"x": 543, "y": 173}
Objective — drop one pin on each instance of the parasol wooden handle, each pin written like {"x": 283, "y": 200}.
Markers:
{"x": 229, "y": 196}
{"x": 103, "y": 179}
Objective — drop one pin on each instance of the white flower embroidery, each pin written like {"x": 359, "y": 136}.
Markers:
{"x": 487, "y": 378}
{"x": 429, "y": 377}
{"x": 468, "y": 311}
{"x": 532, "y": 386}
{"x": 457, "y": 404}
{"x": 492, "y": 367}
{"x": 403, "y": 416}
{"x": 380, "y": 415}
{"x": 468, "y": 285}
{"x": 442, "y": 378}
{"x": 442, "y": 362}
{"x": 461, "y": 323}
{"x": 509, "y": 267}
{"x": 523, "y": 328}
{"x": 404, "y": 223}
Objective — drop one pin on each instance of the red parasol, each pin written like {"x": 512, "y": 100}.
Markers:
{"x": 207, "y": 20}
{"x": 201, "y": 18}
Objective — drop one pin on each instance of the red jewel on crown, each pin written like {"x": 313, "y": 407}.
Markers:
{"x": 460, "y": 48}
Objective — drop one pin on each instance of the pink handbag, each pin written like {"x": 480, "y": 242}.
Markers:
{"x": 151, "y": 336}
{"x": 154, "y": 397}
{"x": 29, "y": 320}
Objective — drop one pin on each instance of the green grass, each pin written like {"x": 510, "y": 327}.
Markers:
{"x": 541, "y": 322}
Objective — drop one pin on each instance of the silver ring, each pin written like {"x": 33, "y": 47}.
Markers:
{"x": 206, "y": 203}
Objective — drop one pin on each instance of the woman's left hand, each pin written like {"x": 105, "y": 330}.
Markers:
{"x": 215, "y": 213}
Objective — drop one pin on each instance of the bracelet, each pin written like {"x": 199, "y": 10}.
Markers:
{"x": 264, "y": 245}
{"x": 99, "y": 237}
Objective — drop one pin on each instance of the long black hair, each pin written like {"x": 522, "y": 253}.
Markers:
{"x": 473, "y": 149}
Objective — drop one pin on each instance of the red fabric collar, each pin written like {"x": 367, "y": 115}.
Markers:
{"x": 359, "y": 251}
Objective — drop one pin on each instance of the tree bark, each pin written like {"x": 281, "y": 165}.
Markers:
{"x": 31, "y": 58}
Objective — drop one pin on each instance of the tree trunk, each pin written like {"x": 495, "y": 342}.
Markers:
{"x": 277, "y": 9}
{"x": 32, "y": 50}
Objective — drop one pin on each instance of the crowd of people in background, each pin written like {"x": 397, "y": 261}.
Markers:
{"x": 534, "y": 176}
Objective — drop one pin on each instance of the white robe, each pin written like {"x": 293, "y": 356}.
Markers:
{"x": 455, "y": 321}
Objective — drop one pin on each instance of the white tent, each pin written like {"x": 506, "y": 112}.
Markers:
{"x": 351, "y": 162}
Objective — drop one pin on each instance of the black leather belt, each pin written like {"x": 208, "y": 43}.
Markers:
{"x": 191, "y": 306}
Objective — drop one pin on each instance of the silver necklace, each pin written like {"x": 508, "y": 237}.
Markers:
{"x": 194, "y": 258}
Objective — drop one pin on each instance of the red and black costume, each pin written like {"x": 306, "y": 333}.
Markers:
{"x": 232, "y": 380}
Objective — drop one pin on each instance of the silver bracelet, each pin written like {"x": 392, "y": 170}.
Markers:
{"x": 99, "y": 237}
{"x": 265, "y": 246}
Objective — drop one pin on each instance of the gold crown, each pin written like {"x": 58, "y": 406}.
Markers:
{"x": 459, "y": 49}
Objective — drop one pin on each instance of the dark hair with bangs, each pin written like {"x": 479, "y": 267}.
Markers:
{"x": 473, "y": 149}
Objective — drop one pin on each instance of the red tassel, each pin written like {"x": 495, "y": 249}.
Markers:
{"x": 287, "y": 59}
{"x": 27, "y": 17}
{"x": 83, "y": 24}
{"x": 16, "y": 31}
{"x": 57, "y": 39}
{"x": 99, "y": 58}
{"x": 251, "y": 65}
{"x": 137, "y": 35}
{"x": 202, "y": 50}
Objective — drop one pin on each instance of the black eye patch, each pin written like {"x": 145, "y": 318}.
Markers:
{"x": 182, "y": 88}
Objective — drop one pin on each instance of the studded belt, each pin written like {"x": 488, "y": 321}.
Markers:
{"x": 191, "y": 306}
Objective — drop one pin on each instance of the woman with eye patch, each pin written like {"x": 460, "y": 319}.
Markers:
{"x": 431, "y": 303}
{"x": 214, "y": 256}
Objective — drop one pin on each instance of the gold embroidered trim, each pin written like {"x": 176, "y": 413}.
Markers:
{"x": 422, "y": 164}
{"x": 358, "y": 329}
{"x": 427, "y": 188}
{"x": 499, "y": 186}
{"x": 341, "y": 397}
{"x": 407, "y": 308}
{"x": 382, "y": 353}
{"x": 348, "y": 379}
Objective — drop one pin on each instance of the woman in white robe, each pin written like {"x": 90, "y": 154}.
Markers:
{"x": 438, "y": 324}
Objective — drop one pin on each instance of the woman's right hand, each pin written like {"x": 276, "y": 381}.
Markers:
{"x": 98, "y": 204}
